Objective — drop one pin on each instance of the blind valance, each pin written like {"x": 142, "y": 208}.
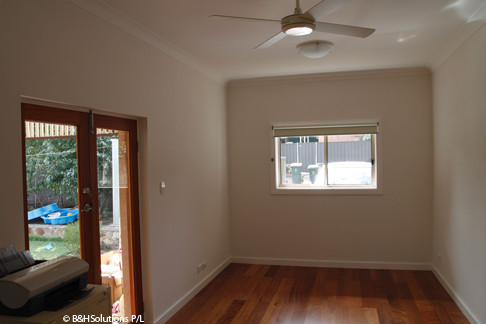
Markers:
{"x": 286, "y": 131}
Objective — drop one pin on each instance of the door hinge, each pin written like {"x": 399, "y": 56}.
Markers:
{"x": 91, "y": 122}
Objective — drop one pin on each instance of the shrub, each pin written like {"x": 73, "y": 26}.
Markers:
{"x": 72, "y": 239}
{"x": 44, "y": 238}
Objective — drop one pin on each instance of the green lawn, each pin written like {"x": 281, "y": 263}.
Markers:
{"x": 39, "y": 251}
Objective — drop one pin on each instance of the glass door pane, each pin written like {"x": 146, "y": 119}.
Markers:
{"x": 52, "y": 189}
{"x": 114, "y": 211}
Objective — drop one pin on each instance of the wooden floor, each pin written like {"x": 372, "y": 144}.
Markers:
{"x": 245, "y": 293}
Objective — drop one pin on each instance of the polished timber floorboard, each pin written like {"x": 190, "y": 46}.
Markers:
{"x": 244, "y": 293}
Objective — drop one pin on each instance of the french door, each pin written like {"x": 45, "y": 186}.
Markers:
{"x": 81, "y": 196}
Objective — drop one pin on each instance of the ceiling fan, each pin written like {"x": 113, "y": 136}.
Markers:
{"x": 301, "y": 24}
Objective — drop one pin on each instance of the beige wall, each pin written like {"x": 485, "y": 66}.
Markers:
{"x": 57, "y": 51}
{"x": 460, "y": 173}
{"x": 373, "y": 230}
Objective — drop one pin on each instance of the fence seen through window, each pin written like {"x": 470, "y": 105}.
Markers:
{"x": 325, "y": 160}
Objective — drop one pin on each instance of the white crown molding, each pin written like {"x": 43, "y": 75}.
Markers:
{"x": 472, "y": 25}
{"x": 329, "y": 76}
{"x": 116, "y": 18}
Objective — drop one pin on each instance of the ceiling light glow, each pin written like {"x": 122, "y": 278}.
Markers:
{"x": 299, "y": 31}
{"x": 297, "y": 27}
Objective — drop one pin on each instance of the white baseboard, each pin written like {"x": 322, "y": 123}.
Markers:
{"x": 335, "y": 264}
{"x": 181, "y": 302}
{"x": 458, "y": 300}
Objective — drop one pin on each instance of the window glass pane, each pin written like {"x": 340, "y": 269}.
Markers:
{"x": 349, "y": 160}
{"x": 302, "y": 160}
{"x": 52, "y": 190}
{"x": 113, "y": 197}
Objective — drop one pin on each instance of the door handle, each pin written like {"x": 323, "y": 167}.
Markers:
{"x": 87, "y": 208}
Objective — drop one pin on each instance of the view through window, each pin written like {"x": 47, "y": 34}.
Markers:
{"x": 52, "y": 190}
{"x": 325, "y": 157}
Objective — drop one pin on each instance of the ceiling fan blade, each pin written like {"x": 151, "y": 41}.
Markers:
{"x": 347, "y": 30}
{"x": 272, "y": 40}
{"x": 244, "y": 18}
{"x": 325, "y": 7}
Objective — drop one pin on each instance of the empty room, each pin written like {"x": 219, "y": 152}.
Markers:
{"x": 263, "y": 161}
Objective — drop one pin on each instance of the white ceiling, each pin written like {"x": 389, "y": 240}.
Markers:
{"x": 408, "y": 33}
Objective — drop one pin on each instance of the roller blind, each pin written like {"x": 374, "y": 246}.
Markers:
{"x": 286, "y": 131}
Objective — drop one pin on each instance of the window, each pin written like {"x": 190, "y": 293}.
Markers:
{"x": 326, "y": 157}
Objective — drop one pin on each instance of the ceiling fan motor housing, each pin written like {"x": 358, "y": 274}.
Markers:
{"x": 297, "y": 25}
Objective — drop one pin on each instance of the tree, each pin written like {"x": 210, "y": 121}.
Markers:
{"x": 365, "y": 137}
{"x": 51, "y": 168}
{"x": 300, "y": 139}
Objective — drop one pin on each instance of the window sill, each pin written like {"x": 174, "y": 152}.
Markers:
{"x": 327, "y": 191}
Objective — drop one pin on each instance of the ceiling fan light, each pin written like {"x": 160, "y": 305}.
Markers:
{"x": 315, "y": 49}
{"x": 298, "y": 29}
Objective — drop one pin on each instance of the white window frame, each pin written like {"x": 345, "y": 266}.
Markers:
{"x": 278, "y": 131}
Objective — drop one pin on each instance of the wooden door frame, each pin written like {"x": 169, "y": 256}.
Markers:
{"x": 89, "y": 223}
{"x": 134, "y": 246}
{"x": 31, "y": 112}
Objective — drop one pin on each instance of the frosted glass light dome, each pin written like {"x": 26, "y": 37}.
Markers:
{"x": 315, "y": 49}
